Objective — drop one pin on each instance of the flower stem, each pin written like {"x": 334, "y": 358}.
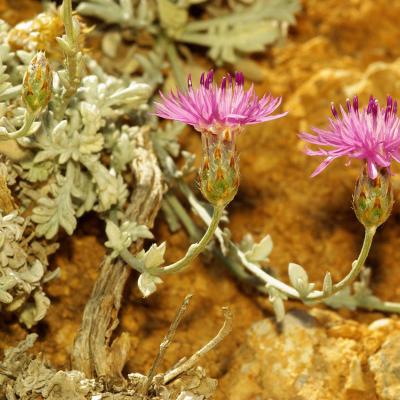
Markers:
{"x": 266, "y": 278}
{"x": 73, "y": 60}
{"x": 183, "y": 216}
{"x": 195, "y": 249}
{"x": 355, "y": 270}
{"x": 29, "y": 119}
{"x": 316, "y": 295}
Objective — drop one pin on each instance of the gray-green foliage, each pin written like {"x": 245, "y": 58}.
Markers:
{"x": 72, "y": 150}
{"x": 23, "y": 268}
{"x": 78, "y": 160}
{"x": 360, "y": 295}
{"x": 120, "y": 238}
{"x": 228, "y": 34}
{"x": 33, "y": 377}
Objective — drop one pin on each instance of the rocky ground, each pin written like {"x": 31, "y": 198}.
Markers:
{"x": 337, "y": 49}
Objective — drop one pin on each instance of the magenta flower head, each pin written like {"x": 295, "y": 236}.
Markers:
{"x": 371, "y": 134}
{"x": 219, "y": 113}
{"x": 214, "y": 108}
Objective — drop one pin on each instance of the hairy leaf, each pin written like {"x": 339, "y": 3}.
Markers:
{"x": 247, "y": 30}
{"x": 56, "y": 211}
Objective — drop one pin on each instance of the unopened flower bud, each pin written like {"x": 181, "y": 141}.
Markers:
{"x": 219, "y": 174}
{"x": 373, "y": 198}
{"x": 37, "y": 84}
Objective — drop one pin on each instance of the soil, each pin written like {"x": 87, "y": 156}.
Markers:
{"x": 310, "y": 220}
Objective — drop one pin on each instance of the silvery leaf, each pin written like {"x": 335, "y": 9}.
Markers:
{"x": 34, "y": 274}
{"x": 247, "y": 30}
{"x": 5, "y": 297}
{"x": 65, "y": 46}
{"x": 7, "y": 282}
{"x": 50, "y": 275}
{"x": 276, "y": 298}
{"x": 107, "y": 183}
{"x": 260, "y": 251}
{"x": 34, "y": 312}
{"x": 173, "y": 18}
{"x": 299, "y": 279}
{"x": 148, "y": 283}
{"x": 279, "y": 308}
{"x": 114, "y": 236}
{"x": 57, "y": 211}
{"x": 154, "y": 257}
{"x": 246, "y": 243}
{"x": 328, "y": 285}
{"x": 136, "y": 231}
{"x": 106, "y": 10}
{"x": 120, "y": 238}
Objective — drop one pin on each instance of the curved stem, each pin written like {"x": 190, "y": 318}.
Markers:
{"x": 29, "y": 119}
{"x": 316, "y": 295}
{"x": 355, "y": 270}
{"x": 195, "y": 249}
{"x": 266, "y": 278}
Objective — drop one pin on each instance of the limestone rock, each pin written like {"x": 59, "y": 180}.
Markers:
{"x": 316, "y": 356}
{"x": 385, "y": 365}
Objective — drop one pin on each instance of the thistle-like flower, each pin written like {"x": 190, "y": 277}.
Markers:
{"x": 37, "y": 84}
{"x": 373, "y": 198}
{"x": 213, "y": 109}
{"x": 220, "y": 113}
{"x": 371, "y": 134}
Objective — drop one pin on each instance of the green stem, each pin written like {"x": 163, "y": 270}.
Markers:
{"x": 195, "y": 249}
{"x": 29, "y": 119}
{"x": 184, "y": 217}
{"x": 353, "y": 274}
{"x": 231, "y": 263}
{"x": 72, "y": 61}
{"x": 316, "y": 295}
{"x": 130, "y": 259}
{"x": 268, "y": 280}
{"x": 170, "y": 216}
{"x": 264, "y": 277}
{"x": 67, "y": 17}
{"x": 378, "y": 305}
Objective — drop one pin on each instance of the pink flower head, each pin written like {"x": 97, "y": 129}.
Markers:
{"x": 213, "y": 108}
{"x": 371, "y": 134}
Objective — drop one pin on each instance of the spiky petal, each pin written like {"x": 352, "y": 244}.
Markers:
{"x": 214, "y": 108}
{"x": 371, "y": 134}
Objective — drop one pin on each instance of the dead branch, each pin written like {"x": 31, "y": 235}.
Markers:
{"x": 193, "y": 360}
{"x": 92, "y": 352}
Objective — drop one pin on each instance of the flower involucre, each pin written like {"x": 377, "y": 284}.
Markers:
{"x": 220, "y": 113}
{"x": 371, "y": 134}
{"x": 214, "y": 108}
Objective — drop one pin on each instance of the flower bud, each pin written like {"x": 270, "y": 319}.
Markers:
{"x": 37, "y": 84}
{"x": 373, "y": 198}
{"x": 219, "y": 173}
